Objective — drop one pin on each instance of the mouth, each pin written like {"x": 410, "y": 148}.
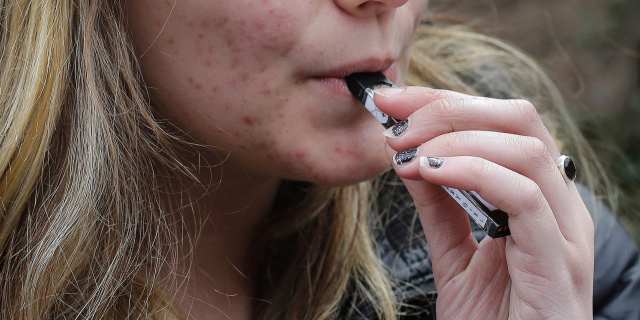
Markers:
{"x": 334, "y": 80}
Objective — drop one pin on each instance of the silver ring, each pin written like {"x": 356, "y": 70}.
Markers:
{"x": 567, "y": 167}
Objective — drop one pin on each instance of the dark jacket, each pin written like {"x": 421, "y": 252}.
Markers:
{"x": 406, "y": 254}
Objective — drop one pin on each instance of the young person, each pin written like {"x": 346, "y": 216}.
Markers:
{"x": 204, "y": 159}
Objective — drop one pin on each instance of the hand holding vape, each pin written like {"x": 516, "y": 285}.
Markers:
{"x": 491, "y": 219}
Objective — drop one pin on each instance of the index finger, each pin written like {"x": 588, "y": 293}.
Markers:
{"x": 436, "y": 112}
{"x": 413, "y": 98}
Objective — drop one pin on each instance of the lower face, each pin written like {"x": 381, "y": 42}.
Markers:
{"x": 263, "y": 81}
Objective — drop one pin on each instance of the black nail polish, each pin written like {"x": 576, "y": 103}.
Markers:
{"x": 400, "y": 127}
{"x": 405, "y": 156}
{"x": 435, "y": 162}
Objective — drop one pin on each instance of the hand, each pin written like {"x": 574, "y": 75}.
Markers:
{"x": 501, "y": 149}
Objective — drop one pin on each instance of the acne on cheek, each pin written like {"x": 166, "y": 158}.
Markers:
{"x": 248, "y": 121}
{"x": 300, "y": 153}
{"x": 197, "y": 85}
{"x": 244, "y": 44}
{"x": 260, "y": 26}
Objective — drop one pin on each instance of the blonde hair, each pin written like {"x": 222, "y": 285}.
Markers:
{"x": 83, "y": 230}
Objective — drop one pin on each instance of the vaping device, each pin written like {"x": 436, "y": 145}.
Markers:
{"x": 492, "y": 220}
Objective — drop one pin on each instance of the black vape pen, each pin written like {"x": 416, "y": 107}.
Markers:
{"x": 491, "y": 219}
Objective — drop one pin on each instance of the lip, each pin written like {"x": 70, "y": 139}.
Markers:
{"x": 333, "y": 79}
{"x": 368, "y": 65}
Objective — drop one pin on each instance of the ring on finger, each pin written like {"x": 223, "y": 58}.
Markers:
{"x": 567, "y": 167}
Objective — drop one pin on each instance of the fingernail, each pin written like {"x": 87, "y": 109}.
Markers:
{"x": 405, "y": 157}
{"x": 397, "y": 129}
{"x": 388, "y": 92}
{"x": 431, "y": 162}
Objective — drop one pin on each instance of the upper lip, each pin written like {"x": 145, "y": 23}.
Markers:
{"x": 367, "y": 65}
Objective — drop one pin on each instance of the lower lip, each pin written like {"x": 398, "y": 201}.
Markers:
{"x": 338, "y": 86}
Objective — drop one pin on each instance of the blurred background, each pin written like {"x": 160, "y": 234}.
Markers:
{"x": 591, "y": 48}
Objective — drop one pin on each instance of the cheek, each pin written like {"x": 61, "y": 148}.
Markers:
{"x": 217, "y": 62}
{"x": 236, "y": 36}
{"x": 230, "y": 39}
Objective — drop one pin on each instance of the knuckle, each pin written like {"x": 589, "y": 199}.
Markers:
{"x": 527, "y": 110}
{"x": 445, "y": 107}
{"x": 452, "y": 141}
{"x": 531, "y": 196}
{"x": 480, "y": 169}
{"x": 536, "y": 151}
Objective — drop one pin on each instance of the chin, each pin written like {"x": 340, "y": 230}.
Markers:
{"x": 345, "y": 174}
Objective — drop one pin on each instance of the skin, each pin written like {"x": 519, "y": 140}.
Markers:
{"x": 259, "y": 81}
{"x": 545, "y": 269}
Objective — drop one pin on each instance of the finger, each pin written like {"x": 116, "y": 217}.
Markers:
{"x": 527, "y": 156}
{"x": 533, "y": 226}
{"x": 435, "y": 112}
{"x": 446, "y": 228}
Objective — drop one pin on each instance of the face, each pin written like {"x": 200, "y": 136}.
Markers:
{"x": 263, "y": 80}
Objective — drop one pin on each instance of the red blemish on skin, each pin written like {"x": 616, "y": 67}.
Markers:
{"x": 190, "y": 80}
{"x": 265, "y": 92}
{"x": 270, "y": 11}
{"x": 200, "y": 35}
{"x": 216, "y": 89}
{"x": 244, "y": 77}
{"x": 168, "y": 3}
{"x": 301, "y": 153}
{"x": 229, "y": 41}
{"x": 248, "y": 121}
{"x": 158, "y": 24}
{"x": 190, "y": 24}
{"x": 235, "y": 62}
{"x": 209, "y": 64}
{"x": 170, "y": 41}
{"x": 198, "y": 86}
{"x": 210, "y": 49}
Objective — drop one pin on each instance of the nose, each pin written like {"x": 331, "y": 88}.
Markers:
{"x": 369, "y": 7}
